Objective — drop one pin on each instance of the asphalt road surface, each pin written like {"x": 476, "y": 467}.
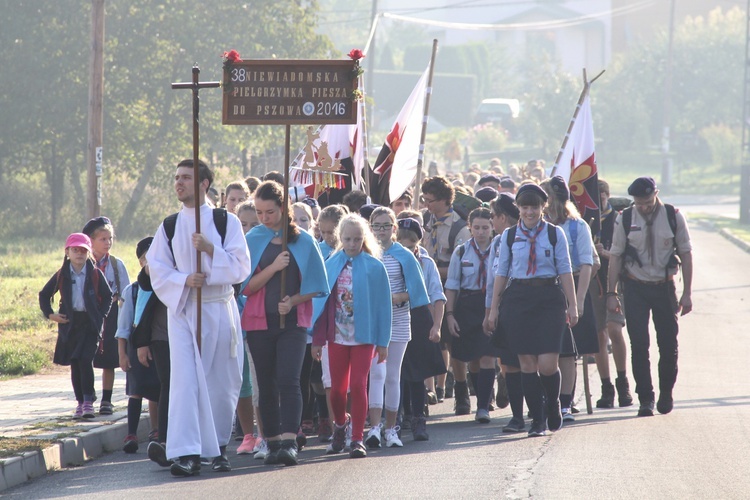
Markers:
{"x": 700, "y": 450}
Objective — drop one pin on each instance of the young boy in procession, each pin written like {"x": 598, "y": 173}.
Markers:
{"x": 205, "y": 383}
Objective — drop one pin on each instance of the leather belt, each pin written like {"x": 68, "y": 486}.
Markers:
{"x": 650, "y": 283}
{"x": 536, "y": 281}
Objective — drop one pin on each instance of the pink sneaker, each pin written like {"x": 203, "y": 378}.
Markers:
{"x": 247, "y": 446}
{"x": 79, "y": 412}
{"x": 88, "y": 409}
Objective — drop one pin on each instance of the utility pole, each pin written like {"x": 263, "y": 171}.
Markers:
{"x": 666, "y": 169}
{"x": 95, "y": 111}
{"x": 745, "y": 157}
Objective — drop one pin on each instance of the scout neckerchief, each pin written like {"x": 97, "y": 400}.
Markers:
{"x": 531, "y": 235}
{"x": 605, "y": 213}
{"x": 433, "y": 232}
{"x": 482, "y": 256}
{"x": 649, "y": 220}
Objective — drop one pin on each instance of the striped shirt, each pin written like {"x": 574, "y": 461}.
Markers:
{"x": 401, "y": 322}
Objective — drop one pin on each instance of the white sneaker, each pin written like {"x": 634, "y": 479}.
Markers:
{"x": 261, "y": 449}
{"x": 567, "y": 415}
{"x": 373, "y": 436}
{"x": 391, "y": 438}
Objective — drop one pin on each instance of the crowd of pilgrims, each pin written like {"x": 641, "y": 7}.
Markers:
{"x": 386, "y": 311}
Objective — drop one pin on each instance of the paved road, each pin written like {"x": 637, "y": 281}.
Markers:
{"x": 700, "y": 450}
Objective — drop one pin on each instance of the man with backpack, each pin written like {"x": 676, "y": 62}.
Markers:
{"x": 650, "y": 241}
{"x": 206, "y": 378}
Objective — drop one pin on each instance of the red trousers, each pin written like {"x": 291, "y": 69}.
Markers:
{"x": 349, "y": 365}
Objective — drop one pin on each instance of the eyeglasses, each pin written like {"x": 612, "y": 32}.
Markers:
{"x": 381, "y": 227}
{"x": 426, "y": 201}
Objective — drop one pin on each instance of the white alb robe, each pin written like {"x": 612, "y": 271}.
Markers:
{"x": 204, "y": 387}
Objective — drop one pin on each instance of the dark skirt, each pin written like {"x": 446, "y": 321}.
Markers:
{"x": 78, "y": 343}
{"x": 141, "y": 380}
{"x": 584, "y": 333}
{"x": 472, "y": 343}
{"x": 107, "y": 357}
{"x": 422, "y": 358}
{"x": 533, "y": 318}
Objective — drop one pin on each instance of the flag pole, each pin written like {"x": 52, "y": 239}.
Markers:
{"x": 285, "y": 219}
{"x": 425, "y": 119}
{"x": 363, "y": 140}
{"x": 581, "y": 98}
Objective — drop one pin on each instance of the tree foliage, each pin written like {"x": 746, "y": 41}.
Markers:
{"x": 147, "y": 125}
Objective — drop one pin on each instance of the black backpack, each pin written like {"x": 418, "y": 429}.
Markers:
{"x": 627, "y": 220}
{"x": 220, "y": 221}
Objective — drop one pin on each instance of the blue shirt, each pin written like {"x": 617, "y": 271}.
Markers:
{"x": 431, "y": 277}
{"x": 78, "y": 281}
{"x": 581, "y": 247}
{"x": 492, "y": 262}
{"x": 126, "y": 315}
{"x": 549, "y": 262}
{"x": 463, "y": 271}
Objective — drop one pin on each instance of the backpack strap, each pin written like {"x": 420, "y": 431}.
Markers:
{"x": 116, "y": 270}
{"x": 456, "y": 228}
{"x": 627, "y": 219}
{"x": 551, "y": 235}
{"x": 573, "y": 244}
{"x": 671, "y": 217}
{"x": 220, "y": 221}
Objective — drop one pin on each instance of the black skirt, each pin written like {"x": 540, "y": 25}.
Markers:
{"x": 423, "y": 358}
{"x": 107, "y": 357}
{"x": 141, "y": 380}
{"x": 79, "y": 343}
{"x": 585, "y": 339}
{"x": 533, "y": 318}
{"x": 472, "y": 343}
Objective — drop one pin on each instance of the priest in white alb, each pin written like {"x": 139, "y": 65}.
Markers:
{"x": 205, "y": 384}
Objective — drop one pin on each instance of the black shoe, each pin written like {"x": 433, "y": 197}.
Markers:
{"x": 273, "y": 453}
{"x": 608, "y": 397}
{"x": 358, "y": 450}
{"x": 186, "y": 466}
{"x": 554, "y": 416}
{"x": 287, "y": 455}
{"x": 301, "y": 439}
{"x": 432, "y": 398}
{"x": 515, "y": 425}
{"x": 221, "y": 463}
{"x": 440, "y": 394}
{"x": 623, "y": 392}
{"x": 158, "y": 453}
{"x": 538, "y": 428}
{"x": 501, "y": 398}
{"x": 419, "y": 429}
{"x": 665, "y": 403}
{"x": 463, "y": 402}
{"x": 646, "y": 409}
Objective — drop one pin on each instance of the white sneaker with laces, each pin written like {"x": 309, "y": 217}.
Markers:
{"x": 261, "y": 449}
{"x": 391, "y": 438}
{"x": 373, "y": 436}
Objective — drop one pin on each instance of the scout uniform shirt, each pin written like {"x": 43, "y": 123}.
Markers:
{"x": 437, "y": 240}
{"x": 664, "y": 242}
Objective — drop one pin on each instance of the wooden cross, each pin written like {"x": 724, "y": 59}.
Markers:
{"x": 195, "y": 86}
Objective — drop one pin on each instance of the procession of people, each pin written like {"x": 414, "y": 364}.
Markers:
{"x": 351, "y": 320}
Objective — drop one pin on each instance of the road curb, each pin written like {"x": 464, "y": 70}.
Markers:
{"x": 726, "y": 233}
{"x": 69, "y": 451}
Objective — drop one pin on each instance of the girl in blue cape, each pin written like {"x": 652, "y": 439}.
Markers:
{"x": 407, "y": 291}
{"x": 355, "y": 322}
{"x": 278, "y": 382}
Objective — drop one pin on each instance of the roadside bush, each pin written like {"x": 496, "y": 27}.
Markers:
{"x": 20, "y": 360}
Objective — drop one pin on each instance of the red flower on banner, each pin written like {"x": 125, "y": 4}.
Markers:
{"x": 232, "y": 57}
{"x": 356, "y": 54}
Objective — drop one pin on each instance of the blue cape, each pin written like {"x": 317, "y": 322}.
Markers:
{"x": 412, "y": 274}
{"x": 305, "y": 251}
{"x": 372, "y": 298}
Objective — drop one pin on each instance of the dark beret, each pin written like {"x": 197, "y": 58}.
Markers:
{"x": 533, "y": 188}
{"x": 506, "y": 202}
{"x": 486, "y": 194}
{"x": 411, "y": 225}
{"x": 642, "y": 187}
{"x": 507, "y": 182}
{"x": 143, "y": 246}
{"x": 311, "y": 202}
{"x": 560, "y": 188}
{"x": 366, "y": 210}
{"x": 94, "y": 224}
{"x": 489, "y": 178}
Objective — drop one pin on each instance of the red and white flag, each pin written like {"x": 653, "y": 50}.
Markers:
{"x": 578, "y": 166}
{"x": 396, "y": 166}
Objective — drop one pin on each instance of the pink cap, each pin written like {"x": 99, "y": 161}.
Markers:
{"x": 78, "y": 240}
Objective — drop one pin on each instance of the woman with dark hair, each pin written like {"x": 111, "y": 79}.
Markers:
{"x": 533, "y": 312}
{"x": 278, "y": 352}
